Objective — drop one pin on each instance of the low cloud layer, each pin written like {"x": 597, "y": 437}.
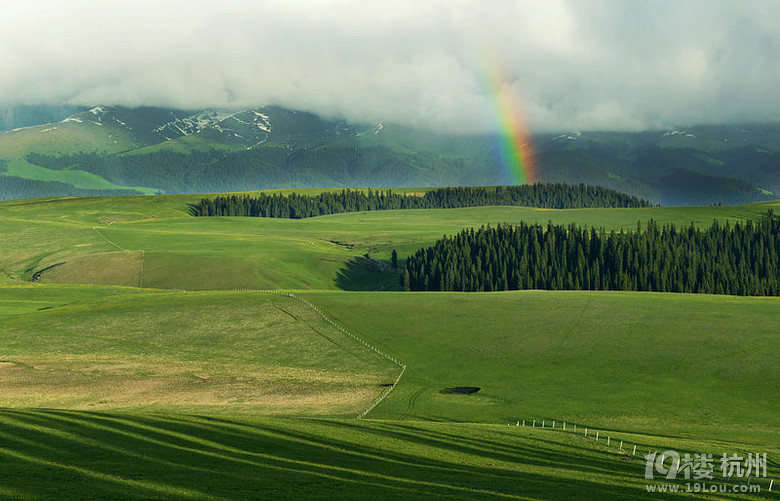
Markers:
{"x": 573, "y": 64}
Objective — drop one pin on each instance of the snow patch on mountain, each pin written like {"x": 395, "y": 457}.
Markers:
{"x": 192, "y": 124}
{"x": 375, "y": 130}
{"x": 262, "y": 121}
{"x": 569, "y": 136}
{"x": 680, "y": 133}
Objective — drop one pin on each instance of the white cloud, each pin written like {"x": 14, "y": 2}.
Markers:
{"x": 576, "y": 64}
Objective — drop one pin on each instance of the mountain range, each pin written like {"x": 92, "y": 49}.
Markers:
{"x": 111, "y": 150}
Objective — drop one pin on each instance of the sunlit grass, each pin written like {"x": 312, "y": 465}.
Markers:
{"x": 221, "y": 352}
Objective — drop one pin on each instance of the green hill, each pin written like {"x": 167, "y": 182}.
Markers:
{"x": 656, "y": 363}
{"x": 648, "y": 370}
{"x": 205, "y": 352}
{"x": 633, "y": 362}
{"x": 102, "y": 240}
{"x": 138, "y": 390}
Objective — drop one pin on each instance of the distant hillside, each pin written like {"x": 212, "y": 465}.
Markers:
{"x": 110, "y": 150}
{"x": 696, "y": 166}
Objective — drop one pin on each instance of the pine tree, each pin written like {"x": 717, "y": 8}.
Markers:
{"x": 719, "y": 259}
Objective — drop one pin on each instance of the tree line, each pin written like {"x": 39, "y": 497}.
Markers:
{"x": 722, "y": 259}
{"x": 295, "y": 206}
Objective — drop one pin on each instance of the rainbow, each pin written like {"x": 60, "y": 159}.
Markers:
{"x": 517, "y": 154}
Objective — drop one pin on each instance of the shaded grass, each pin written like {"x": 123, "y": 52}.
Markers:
{"x": 73, "y": 454}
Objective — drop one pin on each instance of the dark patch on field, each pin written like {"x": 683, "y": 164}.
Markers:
{"x": 38, "y": 273}
{"x": 363, "y": 273}
{"x": 342, "y": 244}
{"x": 461, "y": 390}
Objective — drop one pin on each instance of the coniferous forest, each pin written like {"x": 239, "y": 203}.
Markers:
{"x": 739, "y": 259}
{"x": 295, "y": 206}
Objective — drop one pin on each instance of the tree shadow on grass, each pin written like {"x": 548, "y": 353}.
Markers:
{"x": 365, "y": 274}
{"x": 74, "y": 454}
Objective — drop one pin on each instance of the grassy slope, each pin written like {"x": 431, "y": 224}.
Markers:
{"x": 98, "y": 455}
{"x": 63, "y": 138}
{"x": 226, "y": 253}
{"x": 214, "y": 352}
{"x": 584, "y": 357}
{"x": 556, "y": 355}
{"x": 661, "y": 363}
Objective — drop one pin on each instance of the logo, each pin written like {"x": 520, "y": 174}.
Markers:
{"x": 671, "y": 466}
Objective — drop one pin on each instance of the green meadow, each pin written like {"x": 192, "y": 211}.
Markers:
{"x": 652, "y": 362}
{"x": 166, "y": 248}
{"x": 139, "y": 358}
{"x": 187, "y": 352}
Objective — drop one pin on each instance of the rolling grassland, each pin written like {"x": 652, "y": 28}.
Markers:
{"x": 144, "y": 361}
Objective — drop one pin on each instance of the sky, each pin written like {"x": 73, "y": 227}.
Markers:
{"x": 570, "y": 64}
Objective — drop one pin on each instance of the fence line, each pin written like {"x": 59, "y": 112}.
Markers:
{"x": 589, "y": 432}
{"x": 383, "y": 395}
{"x": 141, "y": 272}
{"x": 341, "y": 328}
{"x": 621, "y": 443}
{"x": 106, "y": 239}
